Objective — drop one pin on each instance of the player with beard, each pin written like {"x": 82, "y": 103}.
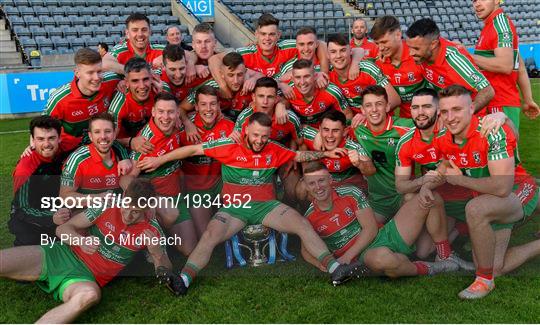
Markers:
{"x": 339, "y": 53}
{"x": 396, "y": 62}
{"x": 505, "y": 193}
{"x": 92, "y": 170}
{"x": 248, "y": 195}
{"x": 360, "y": 39}
{"x": 89, "y": 93}
{"x": 239, "y": 82}
{"x": 162, "y": 132}
{"x": 37, "y": 176}
{"x": 444, "y": 64}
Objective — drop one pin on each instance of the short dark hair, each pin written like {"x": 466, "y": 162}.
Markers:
{"x": 427, "y": 92}
{"x": 267, "y": 19}
{"x": 104, "y": 116}
{"x": 171, "y": 27}
{"x": 454, "y": 90}
{"x": 104, "y": 46}
{"x": 173, "y": 53}
{"x": 165, "y": 96}
{"x": 306, "y": 30}
{"x": 302, "y": 64}
{"x": 313, "y": 166}
{"x": 137, "y": 16}
{"x": 334, "y": 115}
{"x": 139, "y": 188}
{"x": 261, "y": 118}
{"x": 232, "y": 60}
{"x": 45, "y": 122}
{"x": 136, "y": 65}
{"x": 266, "y": 82}
{"x": 376, "y": 90}
{"x": 384, "y": 25}
{"x": 205, "y": 90}
{"x": 87, "y": 56}
{"x": 338, "y": 38}
{"x": 204, "y": 28}
{"x": 424, "y": 27}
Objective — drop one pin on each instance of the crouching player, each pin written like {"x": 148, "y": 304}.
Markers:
{"x": 343, "y": 219}
{"x": 75, "y": 268}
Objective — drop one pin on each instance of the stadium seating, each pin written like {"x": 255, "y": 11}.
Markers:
{"x": 63, "y": 26}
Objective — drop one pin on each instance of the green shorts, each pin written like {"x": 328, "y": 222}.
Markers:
{"x": 513, "y": 113}
{"x": 385, "y": 206}
{"x": 61, "y": 268}
{"x": 183, "y": 211}
{"x": 252, "y": 213}
{"x": 390, "y": 238}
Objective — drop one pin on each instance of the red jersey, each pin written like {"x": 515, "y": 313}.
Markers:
{"x": 499, "y": 31}
{"x": 231, "y": 107}
{"x": 166, "y": 178}
{"x": 124, "y": 51}
{"x": 202, "y": 172}
{"x": 74, "y": 109}
{"x": 310, "y": 113}
{"x": 86, "y": 171}
{"x": 268, "y": 65}
{"x": 372, "y": 50}
{"x": 406, "y": 78}
{"x": 282, "y": 133}
{"x": 369, "y": 75}
{"x": 181, "y": 92}
{"x": 338, "y": 227}
{"x": 452, "y": 66}
{"x": 118, "y": 242}
{"x": 248, "y": 175}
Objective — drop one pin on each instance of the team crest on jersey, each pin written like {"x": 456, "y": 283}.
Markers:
{"x": 476, "y": 156}
{"x": 358, "y": 89}
{"x": 322, "y": 106}
{"x": 222, "y": 134}
{"x": 463, "y": 159}
{"x": 391, "y": 142}
{"x": 337, "y": 165}
{"x": 280, "y": 134}
{"x": 348, "y": 212}
{"x": 441, "y": 80}
{"x": 106, "y": 102}
{"x": 411, "y": 77}
{"x": 268, "y": 160}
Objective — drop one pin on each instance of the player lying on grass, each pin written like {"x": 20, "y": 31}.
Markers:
{"x": 343, "y": 219}
{"x": 75, "y": 268}
{"x": 505, "y": 193}
{"x": 248, "y": 195}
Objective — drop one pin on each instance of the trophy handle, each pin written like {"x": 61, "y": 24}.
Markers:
{"x": 229, "y": 262}
{"x": 271, "y": 244}
{"x": 236, "y": 251}
{"x": 283, "y": 248}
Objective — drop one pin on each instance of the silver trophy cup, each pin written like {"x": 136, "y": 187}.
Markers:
{"x": 257, "y": 236}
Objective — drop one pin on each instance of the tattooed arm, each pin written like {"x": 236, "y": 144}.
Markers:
{"x": 303, "y": 156}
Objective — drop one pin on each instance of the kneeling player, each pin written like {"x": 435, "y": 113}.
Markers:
{"x": 75, "y": 269}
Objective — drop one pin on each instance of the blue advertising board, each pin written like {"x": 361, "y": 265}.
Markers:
{"x": 29, "y": 91}
{"x": 200, "y": 8}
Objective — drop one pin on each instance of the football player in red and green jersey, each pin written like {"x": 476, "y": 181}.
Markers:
{"x": 496, "y": 53}
{"x": 75, "y": 270}
{"x": 248, "y": 195}
{"x": 339, "y": 53}
{"x": 444, "y": 64}
{"x": 202, "y": 174}
{"x": 310, "y": 102}
{"x": 89, "y": 93}
{"x": 162, "y": 133}
{"x": 504, "y": 192}
{"x": 379, "y": 136}
{"x": 94, "y": 170}
{"x": 396, "y": 62}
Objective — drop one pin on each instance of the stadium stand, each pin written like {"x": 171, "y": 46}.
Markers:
{"x": 63, "y": 26}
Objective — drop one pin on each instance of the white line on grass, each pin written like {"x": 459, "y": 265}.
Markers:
{"x": 12, "y": 132}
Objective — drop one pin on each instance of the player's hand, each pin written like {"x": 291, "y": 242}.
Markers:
{"x": 90, "y": 244}
{"x": 336, "y": 153}
{"x": 354, "y": 71}
{"x": 125, "y": 166}
{"x": 61, "y": 216}
{"x": 142, "y": 145}
{"x": 192, "y": 132}
{"x": 288, "y": 168}
{"x": 357, "y": 120}
{"x": 202, "y": 71}
{"x": 492, "y": 123}
{"x": 452, "y": 173}
{"x": 354, "y": 157}
{"x": 149, "y": 164}
{"x": 249, "y": 85}
{"x": 191, "y": 73}
{"x": 281, "y": 114}
{"x": 122, "y": 87}
{"x": 531, "y": 109}
{"x": 157, "y": 63}
{"x": 286, "y": 90}
{"x": 235, "y": 136}
{"x": 318, "y": 143}
{"x": 27, "y": 151}
{"x": 433, "y": 176}
{"x": 321, "y": 80}
{"x": 157, "y": 86}
{"x": 286, "y": 76}
{"x": 426, "y": 197}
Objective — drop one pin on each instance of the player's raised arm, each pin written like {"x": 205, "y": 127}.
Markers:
{"x": 303, "y": 156}
{"x": 149, "y": 164}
